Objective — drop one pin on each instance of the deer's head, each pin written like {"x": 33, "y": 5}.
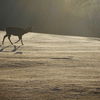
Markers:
{"x": 29, "y": 29}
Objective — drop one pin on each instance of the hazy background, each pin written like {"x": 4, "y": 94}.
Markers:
{"x": 70, "y": 17}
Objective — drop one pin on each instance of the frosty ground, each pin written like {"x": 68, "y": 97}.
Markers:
{"x": 50, "y": 67}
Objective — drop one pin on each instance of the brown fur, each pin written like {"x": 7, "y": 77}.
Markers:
{"x": 16, "y": 31}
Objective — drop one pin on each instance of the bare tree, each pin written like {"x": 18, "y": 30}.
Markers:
{"x": 92, "y": 11}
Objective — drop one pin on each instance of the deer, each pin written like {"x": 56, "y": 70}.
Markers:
{"x": 16, "y": 31}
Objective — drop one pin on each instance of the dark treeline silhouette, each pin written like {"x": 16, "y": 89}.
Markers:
{"x": 47, "y": 16}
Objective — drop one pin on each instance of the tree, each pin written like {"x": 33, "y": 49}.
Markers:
{"x": 92, "y": 13}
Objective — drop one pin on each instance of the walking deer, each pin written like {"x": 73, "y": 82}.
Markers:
{"x": 16, "y": 31}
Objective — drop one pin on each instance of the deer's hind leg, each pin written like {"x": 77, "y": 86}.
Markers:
{"x": 4, "y": 38}
{"x": 9, "y": 39}
{"x": 20, "y": 38}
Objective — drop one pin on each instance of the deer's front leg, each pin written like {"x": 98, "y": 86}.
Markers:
{"x": 18, "y": 40}
{"x": 9, "y": 39}
{"x": 21, "y": 40}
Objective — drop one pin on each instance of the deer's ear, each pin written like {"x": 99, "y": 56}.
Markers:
{"x": 27, "y": 26}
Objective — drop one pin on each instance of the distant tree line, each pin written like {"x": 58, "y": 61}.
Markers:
{"x": 92, "y": 11}
{"x": 71, "y": 17}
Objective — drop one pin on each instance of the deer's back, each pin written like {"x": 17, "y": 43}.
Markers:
{"x": 15, "y": 31}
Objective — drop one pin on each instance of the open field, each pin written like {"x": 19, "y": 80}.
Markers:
{"x": 50, "y": 67}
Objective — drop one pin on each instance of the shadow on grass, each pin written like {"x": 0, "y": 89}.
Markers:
{"x": 15, "y": 49}
{"x": 93, "y": 38}
{"x": 68, "y": 58}
{"x": 1, "y": 50}
{"x": 0, "y": 45}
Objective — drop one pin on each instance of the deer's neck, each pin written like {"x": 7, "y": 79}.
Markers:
{"x": 26, "y": 31}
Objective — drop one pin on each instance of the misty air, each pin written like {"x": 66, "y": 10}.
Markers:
{"x": 49, "y": 50}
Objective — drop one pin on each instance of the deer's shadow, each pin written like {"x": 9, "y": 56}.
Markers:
{"x": 15, "y": 48}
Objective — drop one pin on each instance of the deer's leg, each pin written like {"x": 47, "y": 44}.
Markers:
{"x": 9, "y": 39}
{"x": 21, "y": 40}
{"x": 17, "y": 41}
{"x": 4, "y": 38}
